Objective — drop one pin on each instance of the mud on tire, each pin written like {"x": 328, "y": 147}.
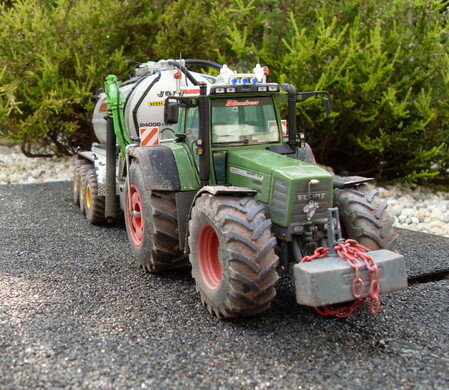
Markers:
{"x": 153, "y": 234}
{"x": 77, "y": 180}
{"x": 232, "y": 255}
{"x": 364, "y": 217}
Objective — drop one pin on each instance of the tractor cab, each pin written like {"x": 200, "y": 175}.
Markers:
{"x": 233, "y": 128}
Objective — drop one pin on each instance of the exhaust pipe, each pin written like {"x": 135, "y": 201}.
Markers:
{"x": 291, "y": 116}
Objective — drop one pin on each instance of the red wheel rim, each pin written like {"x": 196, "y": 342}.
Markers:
{"x": 134, "y": 215}
{"x": 210, "y": 267}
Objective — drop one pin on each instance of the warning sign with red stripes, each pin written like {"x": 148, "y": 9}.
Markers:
{"x": 149, "y": 136}
{"x": 284, "y": 126}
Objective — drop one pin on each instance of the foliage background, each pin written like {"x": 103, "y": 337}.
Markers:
{"x": 385, "y": 62}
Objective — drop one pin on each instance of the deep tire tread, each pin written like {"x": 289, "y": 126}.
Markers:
{"x": 248, "y": 252}
{"x": 365, "y": 218}
{"x": 161, "y": 249}
{"x": 77, "y": 180}
{"x": 95, "y": 215}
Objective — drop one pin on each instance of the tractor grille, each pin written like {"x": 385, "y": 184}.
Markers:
{"x": 320, "y": 193}
{"x": 279, "y": 201}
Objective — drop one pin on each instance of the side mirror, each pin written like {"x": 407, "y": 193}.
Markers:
{"x": 171, "y": 112}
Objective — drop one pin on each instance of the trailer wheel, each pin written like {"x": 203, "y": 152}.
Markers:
{"x": 232, "y": 255}
{"x": 364, "y": 217}
{"x": 84, "y": 168}
{"x": 94, "y": 205}
{"x": 77, "y": 182}
{"x": 151, "y": 225}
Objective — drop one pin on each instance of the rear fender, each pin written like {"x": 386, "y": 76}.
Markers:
{"x": 158, "y": 165}
{"x": 349, "y": 181}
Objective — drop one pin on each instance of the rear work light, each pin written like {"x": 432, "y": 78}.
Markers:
{"x": 273, "y": 88}
{"x": 262, "y": 89}
{"x": 231, "y": 89}
{"x": 220, "y": 90}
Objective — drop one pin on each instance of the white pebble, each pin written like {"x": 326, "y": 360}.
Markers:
{"x": 417, "y": 208}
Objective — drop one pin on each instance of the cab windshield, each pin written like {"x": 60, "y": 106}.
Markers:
{"x": 244, "y": 120}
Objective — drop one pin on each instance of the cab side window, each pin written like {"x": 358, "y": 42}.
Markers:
{"x": 192, "y": 125}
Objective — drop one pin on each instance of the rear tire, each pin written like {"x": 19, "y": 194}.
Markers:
{"x": 364, "y": 217}
{"x": 83, "y": 172}
{"x": 152, "y": 226}
{"x": 77, "y": 181}
{"x": 306, "y": 154}
{"x": 94, "y": 204}
{"x": 232, "y": 255}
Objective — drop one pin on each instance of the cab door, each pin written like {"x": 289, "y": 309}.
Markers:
{"x": 192, "y": 132}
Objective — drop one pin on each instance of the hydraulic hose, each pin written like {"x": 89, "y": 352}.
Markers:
{"x": 210, "y": 64}
{"x": 111, "y": 154}
{"x": 142, "y": 97}
{"x": 184, "y": 70}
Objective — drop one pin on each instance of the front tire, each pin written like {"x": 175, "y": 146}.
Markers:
{"x": 232, "y": 255}
{"x": 151, "y": 225}
{"x": 364, "y": 217}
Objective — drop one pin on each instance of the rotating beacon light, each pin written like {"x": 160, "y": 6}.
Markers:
{"x": 178, "y": 76}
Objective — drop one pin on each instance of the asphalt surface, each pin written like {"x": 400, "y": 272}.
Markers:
{"x": 75, "y": 312}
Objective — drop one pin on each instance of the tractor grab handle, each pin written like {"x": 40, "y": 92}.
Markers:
{"x": 328, "y": 280}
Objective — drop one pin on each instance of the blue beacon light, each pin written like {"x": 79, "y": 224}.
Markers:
{"x": 234, "y": 81}
{"x": 254, "y": 80}
{"x": 245, "y": 80}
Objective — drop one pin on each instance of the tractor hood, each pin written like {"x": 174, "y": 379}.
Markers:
{"x": 295, "y": 191}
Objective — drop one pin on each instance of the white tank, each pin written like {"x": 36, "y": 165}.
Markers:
{"x": 145, "y": 96}
{"x": 98, "y": 120}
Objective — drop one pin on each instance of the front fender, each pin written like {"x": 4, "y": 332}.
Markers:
{"x": 213, "y": 190}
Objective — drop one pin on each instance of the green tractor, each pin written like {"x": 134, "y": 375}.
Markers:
{"x": 207, "y": 175}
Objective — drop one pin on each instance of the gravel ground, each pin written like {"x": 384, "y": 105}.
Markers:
{"x": 419, "y": 209}
{"x": 76, "y": 313}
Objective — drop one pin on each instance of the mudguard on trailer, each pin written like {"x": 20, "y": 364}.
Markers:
{"x": 97, "y": 156}
{"x": 159, "y": 167}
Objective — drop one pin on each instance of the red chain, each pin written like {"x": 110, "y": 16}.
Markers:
{"x": 355, "y": 255}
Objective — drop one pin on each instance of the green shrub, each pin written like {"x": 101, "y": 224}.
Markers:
{"x": 54, "y": 55}
{"x": 385, "y": 63}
